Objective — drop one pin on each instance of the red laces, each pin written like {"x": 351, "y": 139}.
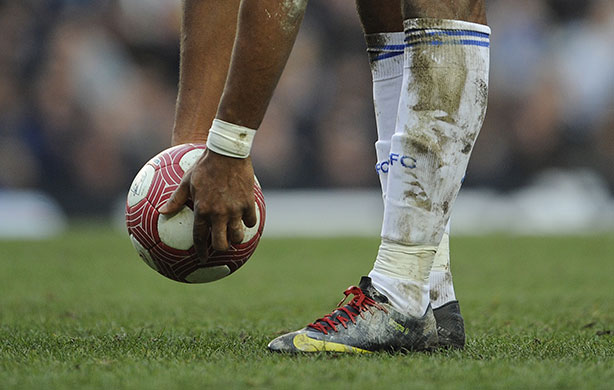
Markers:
{"x": 360, "y": 303}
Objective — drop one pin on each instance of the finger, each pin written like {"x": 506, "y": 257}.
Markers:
{"x": 235, "y": 231}
{"x": 218, "y": 233}
{"x": 201, "y": 233}
{"x": 250, "y": 218}
{"x": 177, "y": 199}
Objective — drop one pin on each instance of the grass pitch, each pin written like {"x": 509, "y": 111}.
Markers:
{"x": 82, "y": 311}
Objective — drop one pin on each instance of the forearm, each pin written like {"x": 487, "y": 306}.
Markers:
{"x": 207, "y": 36}
{"x": 267, "y": 31}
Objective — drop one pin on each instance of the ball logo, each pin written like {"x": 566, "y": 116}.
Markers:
{"x": 139, "y": 184}
{"x": 405, "y": 161}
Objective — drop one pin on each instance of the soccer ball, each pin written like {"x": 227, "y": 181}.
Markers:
{"x": 165, "y": 243}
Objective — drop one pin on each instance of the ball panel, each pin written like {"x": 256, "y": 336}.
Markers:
{"x": 163, "y": 268}
{"x": 208, "y": 274}
{"x": 250, "y": 233}
{"x": 176, "y": 230}
{"x": 139, "y": 222}
{"x": 172, "y": 256}
{"x": 186, "y": 267}
{"x": 165, "y": 181}
{"x": 143, "y": 237}
{"x": 144, "y": 253}
{"x": 189, "y": 159}
{"x": 174, "y": 263}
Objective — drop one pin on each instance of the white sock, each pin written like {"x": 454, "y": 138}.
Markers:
{"x": 386, "y": 59}
{"x": 440, "y": 281}
{"x": 401, "y": 272}
{"x": 441, "y": 109}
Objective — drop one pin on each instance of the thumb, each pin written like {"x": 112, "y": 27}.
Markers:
{"x": 177, "y": 199}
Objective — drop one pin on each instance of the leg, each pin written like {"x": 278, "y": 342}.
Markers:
{"x": 446, "y": 63}
{"x": 441, "y": 109}
{"x": 207, "y": 36}
{"x": 441, "y": 105}
{"x": 383, "y": 26}
{"x": 467, "y": 10}
{"x": 380, "y": 16}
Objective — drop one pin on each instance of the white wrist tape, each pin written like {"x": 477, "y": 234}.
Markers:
{"x": 229, "y": 139}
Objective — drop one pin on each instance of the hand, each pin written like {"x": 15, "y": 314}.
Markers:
{"x": 222, "y": 189}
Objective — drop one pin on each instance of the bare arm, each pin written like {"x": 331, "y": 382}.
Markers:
{"x": 266, "y": 34}
{"x": 207, "y": 35}
{"x": 222, "y": 187}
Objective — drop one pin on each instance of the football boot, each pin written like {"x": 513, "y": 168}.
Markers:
{"x": 367, "y": 323}
{"x": 450, "y": 326}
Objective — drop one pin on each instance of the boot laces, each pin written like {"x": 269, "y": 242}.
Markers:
{"x": 348, "y": 313}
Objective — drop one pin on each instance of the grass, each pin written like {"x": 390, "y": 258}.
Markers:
{"x": 82, "y": 311}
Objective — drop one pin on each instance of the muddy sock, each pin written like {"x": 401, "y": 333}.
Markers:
{"x": 386, "y": 59}
{"x": 441, "y": 289}
{"x": 441, "y": 110}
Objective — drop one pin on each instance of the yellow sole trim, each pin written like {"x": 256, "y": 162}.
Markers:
{"x": 305, "y": 343}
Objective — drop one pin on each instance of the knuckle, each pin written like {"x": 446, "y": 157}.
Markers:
{"x": 205, "y": 208}
{"x": 218, "y": 210}
{"x": 201, "y": 210}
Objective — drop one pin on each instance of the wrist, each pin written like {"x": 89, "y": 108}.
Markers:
{"x": 189, "y": 135}
{"x": 230, "y": 140}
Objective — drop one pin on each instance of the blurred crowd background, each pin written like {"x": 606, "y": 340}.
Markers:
{"x": 87, "y": 93}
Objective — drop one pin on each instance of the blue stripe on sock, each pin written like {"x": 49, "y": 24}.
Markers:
{"x": 472, "y": 42}
{"x": 386, "y": 47}
{"x": 383, "y": 56}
